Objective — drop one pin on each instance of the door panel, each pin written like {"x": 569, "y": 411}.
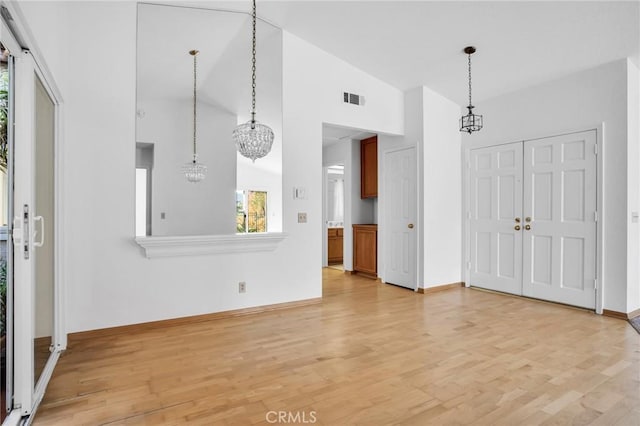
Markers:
{"x": 32, "y": 235}
{"x": 400, "y": 209}
{"x": 496, "y": 202}
{"x": 22, "y": 225}
{"x": 560, "y": 197}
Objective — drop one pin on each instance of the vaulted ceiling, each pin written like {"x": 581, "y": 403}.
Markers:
{"x": 413, "y": 43}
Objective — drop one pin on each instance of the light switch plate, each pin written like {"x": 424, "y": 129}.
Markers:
{"x": 299, "y": 193}
{"x": 302, "y": 218}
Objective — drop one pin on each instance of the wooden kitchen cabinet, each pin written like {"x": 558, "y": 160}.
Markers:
{"x": 369, "y": 167}
{"x": 335, "y": 245}
{"x": 365, "y": 249}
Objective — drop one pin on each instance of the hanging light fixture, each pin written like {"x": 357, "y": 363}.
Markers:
{"x": 253, "y": 139}
{"x": 471, "y": 122}
{"x": 194, "y": 171}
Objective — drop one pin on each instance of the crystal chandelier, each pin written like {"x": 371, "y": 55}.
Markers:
{"x": 194, "y": 171}
{"x": 253, "y": 139}
{"x": 470, "y": 122}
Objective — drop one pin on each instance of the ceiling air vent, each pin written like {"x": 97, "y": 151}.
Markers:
{"x": 351, "y": 98}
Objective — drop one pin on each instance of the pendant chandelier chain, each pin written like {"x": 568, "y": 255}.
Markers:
{"x": 253, "y": 139}
{"x": 253, "y": 68}
{"x": 195, "y": 109}
{"x": 470, "y": 79}
{"x": 193, "y": 170}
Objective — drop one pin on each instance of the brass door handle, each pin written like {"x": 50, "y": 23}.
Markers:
{"x": 527, "y": 227}
{"x": 517, "y": 227}
{"x": 410, "y": 226}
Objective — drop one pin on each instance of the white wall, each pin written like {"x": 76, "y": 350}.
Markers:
{"x": 442, "y": 185}
{"x": 205, "y": 208}
{"x": 109, "y": 282}
{"x": 323, "y": 78}
{"x": 633, "y": 188}
{"x": 578, "y": 102}
{"x": 431, "y": 122}
{"x": 254, "y": 178}
{"x": 414, "y": 135}
{"x": 43, "y": 19}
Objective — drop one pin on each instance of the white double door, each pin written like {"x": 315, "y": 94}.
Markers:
{"x": 533, "y": 218}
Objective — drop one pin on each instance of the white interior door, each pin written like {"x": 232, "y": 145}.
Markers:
{"x": 495, "y": 218}
{"x": 400, "y": 213}
{"x": 533, "y": 218}
{"x": 560, "y": 224}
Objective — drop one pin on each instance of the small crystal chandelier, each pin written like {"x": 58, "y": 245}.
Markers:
{"x": 470, "y": 122}
{"x": 253, "y": 139}
{"x": 194, "y": 171}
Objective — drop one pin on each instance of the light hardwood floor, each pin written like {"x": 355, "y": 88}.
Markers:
{"x": 370, "y": 354}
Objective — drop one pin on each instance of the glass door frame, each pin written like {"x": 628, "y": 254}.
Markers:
{"x": 10, "y": 43}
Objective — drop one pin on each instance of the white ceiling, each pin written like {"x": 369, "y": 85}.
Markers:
{"x": 166, "y": 35}
{"x": 405, "y": 43}
{"x": 413, "y": 43}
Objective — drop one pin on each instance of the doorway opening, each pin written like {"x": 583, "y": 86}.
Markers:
{"x": 343, "y": 206}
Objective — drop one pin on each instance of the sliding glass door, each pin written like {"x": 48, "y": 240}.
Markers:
{"x": 32, "y": 253}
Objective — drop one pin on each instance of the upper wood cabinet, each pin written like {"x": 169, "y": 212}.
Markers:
{"x": 369, "y": 167}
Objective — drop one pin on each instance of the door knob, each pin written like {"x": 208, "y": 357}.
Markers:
{"x": 527, "y": 227}
{"x": 517, "y": 227}
{"x": 517, "y": 219}
{"x": 410, "y": 226}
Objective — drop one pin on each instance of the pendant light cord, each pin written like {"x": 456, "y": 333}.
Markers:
{"x": 195, "y": 110}
{"x": 470, "y": 80}
{"x": 253, "y": 70}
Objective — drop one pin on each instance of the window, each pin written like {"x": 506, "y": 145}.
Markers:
{"x": 144, "y": 166}
{"x": 251, "y": 211}
{"x": 141, "y": 202}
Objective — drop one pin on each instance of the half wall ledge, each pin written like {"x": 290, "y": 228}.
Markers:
{"x": 199, "y": 245}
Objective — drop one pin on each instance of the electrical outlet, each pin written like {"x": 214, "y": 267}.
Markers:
{"x": 242, "y": 287}
{"x": 302, "y": 218}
